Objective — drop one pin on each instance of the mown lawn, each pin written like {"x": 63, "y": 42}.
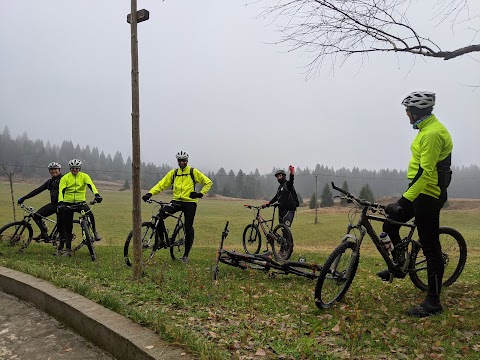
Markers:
{"x": 253, "y": 314}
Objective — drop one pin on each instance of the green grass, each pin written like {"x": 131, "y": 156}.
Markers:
{"x": 252, "y": 312}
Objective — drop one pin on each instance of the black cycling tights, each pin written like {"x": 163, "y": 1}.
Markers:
{"x": 46, "y": 211}
{"x": 426, "y": 211}
{"x": 189, "y": 209}
{"x": 68, "y": 224}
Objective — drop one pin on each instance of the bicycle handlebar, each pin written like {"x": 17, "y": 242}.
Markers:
{"x": 77, "y": 205}
{"x": 161, "y": 203}
{"x": 352, "y": 198}
{"x": 30, "y": 209}
{"x": 248, "y": 206}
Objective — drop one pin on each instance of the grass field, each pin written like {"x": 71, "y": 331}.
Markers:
{"x": 258, "y": 315}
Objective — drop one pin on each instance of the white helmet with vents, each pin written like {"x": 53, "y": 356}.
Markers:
{"x": 182, "y": 155}
{"x": 75, "y": 163}
{"x": 54, "y": 165}
{"x": 420, "y": 99}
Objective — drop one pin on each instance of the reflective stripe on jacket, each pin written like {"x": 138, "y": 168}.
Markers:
{"x": 183, "y": 184}
{"x": 72, "y": 188}
{"x": 431, "y": 145}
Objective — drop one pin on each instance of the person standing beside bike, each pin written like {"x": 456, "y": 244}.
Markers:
{"x": 72, "y": 190}
{"x": 51, "y": 185}
{"x": 185, "y": 198}
{"x": 286, "y": 197}
{"x": 429, "y": 174}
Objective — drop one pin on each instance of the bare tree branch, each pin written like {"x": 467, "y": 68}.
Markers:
{"x": 328, "y": 28}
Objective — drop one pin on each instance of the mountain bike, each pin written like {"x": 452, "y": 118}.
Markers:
{"x": 280, "y": 238}
{"x": 406, "y": 259}
{"x": 88, "y": 236}
{"x": 20, "y": 233}
{"x": 265, "y": 262}
{"x": 150, "y": 235}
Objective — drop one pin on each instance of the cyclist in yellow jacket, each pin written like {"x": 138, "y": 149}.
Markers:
{"x": 429, "y": 175}
{"x": 185, "y": 197}
{"x": 72, "y": 190}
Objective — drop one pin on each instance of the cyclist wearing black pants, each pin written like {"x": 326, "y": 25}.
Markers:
{"x": 285, "y": 196}
{"x": 185, "y": 197}
{"x": 429, "y": 174}
{"x": 51, "y": 185}
{"x": 72, "y": 190}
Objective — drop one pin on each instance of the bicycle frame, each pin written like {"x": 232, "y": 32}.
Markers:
{"x": 260, "y": 222}
{"x": 364, "y": 226}
{"x": 158, "y": 218}
{"x": 30, "y": 214}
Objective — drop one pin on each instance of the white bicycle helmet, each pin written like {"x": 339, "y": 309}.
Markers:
{"x": 54, "y": 165}
{"x": 182, "y": 155}
{"x": 75, "y": 163}
{"x": 420, "y": 99}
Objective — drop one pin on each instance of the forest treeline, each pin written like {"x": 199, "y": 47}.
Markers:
{"x": 30, "y": 157}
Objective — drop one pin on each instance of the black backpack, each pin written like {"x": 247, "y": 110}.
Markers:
{"x": 191, "y": 175}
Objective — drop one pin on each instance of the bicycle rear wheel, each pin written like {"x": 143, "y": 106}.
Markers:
{"x": 147, "y": 236}
{"x": 252, "y": 240}
{"x": 337, "y": 275}
{"x": 454, "y": 251}
{"x": 282, "y": 245}
{"x": 177, "y": 242}
{"x": 17, "y": 234}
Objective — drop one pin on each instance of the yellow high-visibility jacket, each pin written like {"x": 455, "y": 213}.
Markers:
{"x": 72, "y": 188}
{"x": 183, "y": 184}
{"x": 431, "y": 146}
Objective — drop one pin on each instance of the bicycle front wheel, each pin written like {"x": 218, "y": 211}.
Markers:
{"x": 337, "y": 275}
{"x": 177, "y": 242}
{"x": 88, "y": 238}
{"x": 17, "y": 234}
{"x": 454, "y": 252}
{"x": 252, "y": 240}
{"x": 147, "y": 236}
{"x": 282, "y": 245}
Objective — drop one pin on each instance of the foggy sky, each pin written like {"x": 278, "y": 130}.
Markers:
{"x": 211, "y": 83}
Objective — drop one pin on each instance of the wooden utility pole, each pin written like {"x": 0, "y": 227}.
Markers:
{"x": 316, "y": 200}
{"x": 136, "y": 193}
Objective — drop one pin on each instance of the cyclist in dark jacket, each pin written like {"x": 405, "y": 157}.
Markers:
{"x": 285, "y": 196}
{"x": 51, "y": 185}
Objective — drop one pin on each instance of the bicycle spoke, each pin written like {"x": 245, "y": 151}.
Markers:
{"x": 454, "y": 253}
{"x": 337, "y": 275}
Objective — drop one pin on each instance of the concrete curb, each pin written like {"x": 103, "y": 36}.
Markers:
{"x": 117, "y": 335}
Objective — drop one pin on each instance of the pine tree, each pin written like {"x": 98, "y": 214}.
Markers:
{"x": 313, "y": 201}
{"x": 326, "y": 199}
{"x": 366, "y": 193}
